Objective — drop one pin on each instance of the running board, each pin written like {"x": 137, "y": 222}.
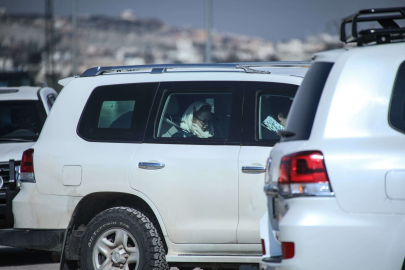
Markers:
{"x": 213, "y": 258}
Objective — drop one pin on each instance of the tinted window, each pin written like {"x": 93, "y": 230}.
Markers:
{"x": 272, "y": 115}
{"x": 196, "y": 115}
{"x": 397, "y": 110}
{"x": 306, "y": 101}
{"x": 117, "y": 113}
{"x": 21, "y": 120}
{"x": 262, "y": 104}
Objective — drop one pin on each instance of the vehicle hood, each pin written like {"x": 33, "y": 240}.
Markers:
{"x": 13, "y": 150}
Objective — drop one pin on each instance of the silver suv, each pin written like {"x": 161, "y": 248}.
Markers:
{"x": 338, "y": 174}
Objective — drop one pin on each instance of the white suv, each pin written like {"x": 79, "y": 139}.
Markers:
{"x": 338, "y": 173}
{"x": 146, "y": 166}
{"x": 23, "y": 110}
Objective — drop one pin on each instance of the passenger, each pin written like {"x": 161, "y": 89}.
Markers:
{"x": 271, "y": 124}
{"x": 196, "y": 122}
{"x": 282, "y": 119}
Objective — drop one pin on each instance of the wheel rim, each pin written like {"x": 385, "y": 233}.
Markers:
{"x": 115, "y": 249}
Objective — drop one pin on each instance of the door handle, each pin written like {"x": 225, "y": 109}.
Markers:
{"x": 151, "y": 165}
{"x": 253, "y": 169}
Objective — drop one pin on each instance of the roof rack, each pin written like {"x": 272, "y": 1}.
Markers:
{"x": 158, "y": 69}
{"x": 389, "y": 32}
{"x": 275, "y": 64}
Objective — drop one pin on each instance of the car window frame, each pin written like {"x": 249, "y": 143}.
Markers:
{"x": 395, "y": 102}
{"x": 304, "y": 108}
{"x": 253, "y": 92}
{"x": 168, "y": 88}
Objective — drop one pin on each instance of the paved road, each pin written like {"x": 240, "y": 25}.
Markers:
{"x": 21, "y": 259}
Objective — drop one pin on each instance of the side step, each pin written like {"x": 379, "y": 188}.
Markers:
{"x": 274, "y": 259}
{"x": 48, "y": 240}
{"x": 214, "y": 258}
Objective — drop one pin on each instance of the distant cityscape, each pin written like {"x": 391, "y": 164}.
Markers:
{"x": 129, "y": 40}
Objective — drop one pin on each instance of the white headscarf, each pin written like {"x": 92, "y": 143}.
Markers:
{"x": 188, "y": 125}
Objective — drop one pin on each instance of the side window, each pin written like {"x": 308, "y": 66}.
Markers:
{"x": 397, "y": 109}
{"x": 51, "y": 100}
{"x": 195, "y": 116}
{"x": 272, "y": 115}
{"x": 116, "y": 113}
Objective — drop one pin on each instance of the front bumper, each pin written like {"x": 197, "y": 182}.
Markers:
{"x": 326, "y": 237}
{"x": 8, "y": 190}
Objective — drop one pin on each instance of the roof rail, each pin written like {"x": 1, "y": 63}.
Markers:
{"x": 389, "y": 32}
{"x": 155, "y": 68}
{"x": 162, "y": 68}
{"x": 274, "y": 64}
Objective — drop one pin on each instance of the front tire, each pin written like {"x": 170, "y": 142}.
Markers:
{"x": 122, "y": 238}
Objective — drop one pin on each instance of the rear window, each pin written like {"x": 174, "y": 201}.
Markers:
{"x": 303, "y": 109}
{"x": 21, "y": 120}
{"x": 397, "y": 109}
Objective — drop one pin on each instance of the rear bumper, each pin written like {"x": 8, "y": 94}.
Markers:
{"x": 270, "y": 264}
{"x": 49, "y": 240}
{"x": 326, "y": 237}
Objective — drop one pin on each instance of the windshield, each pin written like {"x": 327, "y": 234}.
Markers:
{"x": 21, "y": 120}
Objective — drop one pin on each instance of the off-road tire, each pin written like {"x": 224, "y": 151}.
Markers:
{"x": 152, "y": 254}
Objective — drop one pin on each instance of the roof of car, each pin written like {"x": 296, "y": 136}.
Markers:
{"x": 19, "y": 93}
{"x": 333, "y": 55}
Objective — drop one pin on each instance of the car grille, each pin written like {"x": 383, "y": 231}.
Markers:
{"x": 5, "y": 174}
{"x": 7, "y": 193}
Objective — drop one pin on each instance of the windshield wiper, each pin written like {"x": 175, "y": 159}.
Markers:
{"x": 15, "y": 140}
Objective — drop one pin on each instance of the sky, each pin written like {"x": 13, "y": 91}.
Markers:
{"x": 274, "y": 20}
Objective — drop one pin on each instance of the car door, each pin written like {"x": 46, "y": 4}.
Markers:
{"x": 193, "y": 181}
{"x": 265, "y": 110}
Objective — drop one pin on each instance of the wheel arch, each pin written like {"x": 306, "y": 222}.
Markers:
{"x": 93, "y": 204}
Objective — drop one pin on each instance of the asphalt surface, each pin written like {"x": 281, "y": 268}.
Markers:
{"x": 21, "y": 259}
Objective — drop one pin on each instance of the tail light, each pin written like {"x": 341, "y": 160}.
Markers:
{"x": 288, "y": 250}
{"x": 263, "y": 248}
{"x": 27, "y": 166}
{"x": 304, "y": 173}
